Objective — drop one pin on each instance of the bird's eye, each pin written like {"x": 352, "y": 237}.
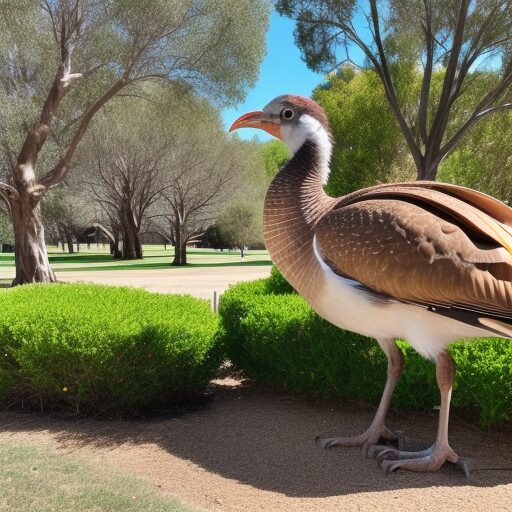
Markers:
{"x": 287, "y": 113}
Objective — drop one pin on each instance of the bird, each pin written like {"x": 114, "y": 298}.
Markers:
{"x": 423, "y": 261}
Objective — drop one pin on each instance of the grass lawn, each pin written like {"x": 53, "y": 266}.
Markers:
{"x": 44, "y": 481}
{"x": 155, "y": 257}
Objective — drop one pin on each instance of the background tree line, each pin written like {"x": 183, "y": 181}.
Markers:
{"x": 63, "y": 61}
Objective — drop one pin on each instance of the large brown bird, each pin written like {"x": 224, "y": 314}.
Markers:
{"x": 424, "y": 261}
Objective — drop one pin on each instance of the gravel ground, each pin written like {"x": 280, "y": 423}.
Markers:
{"x": 250, "y": 449}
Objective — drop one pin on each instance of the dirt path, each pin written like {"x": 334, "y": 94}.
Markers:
{"x": 252, "y": 450}
{"x": 200, "y": 282}
{"x": 197, "y": 281}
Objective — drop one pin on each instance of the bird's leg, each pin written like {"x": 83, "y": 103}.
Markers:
{"x": 440, "y": 452}
{"x": 376, "y": 430}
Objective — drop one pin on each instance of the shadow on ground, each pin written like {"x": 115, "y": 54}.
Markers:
{"x": 266, "y": 440}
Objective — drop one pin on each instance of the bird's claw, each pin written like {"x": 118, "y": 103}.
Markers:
{"x": 430, "y": 459}
{"x": 372, "y": 436}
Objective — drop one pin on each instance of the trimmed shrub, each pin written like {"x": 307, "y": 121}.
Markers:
{"x": 277, "y": 339}
{"x": 276, "y": 283}
{"x": 101, "y": 349}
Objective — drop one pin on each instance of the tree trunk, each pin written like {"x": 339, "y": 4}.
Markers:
{"x": 69, "y": 240}
{"x": 138, "y": 246}
{"x": 32, "y": 264}
{"x": 180, "y": 249}
{"x": 115, "y": 251}
{"x": 427, "y": 170}
{"x": 132, "y": 248}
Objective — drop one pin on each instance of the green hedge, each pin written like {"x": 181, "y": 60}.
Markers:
{"x": 276, "y": 339}
{"x": 100, "y": 349}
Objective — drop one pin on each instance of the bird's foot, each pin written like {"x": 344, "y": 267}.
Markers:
{"x": 373, "y": 436}
{"x": 431, "y": 459}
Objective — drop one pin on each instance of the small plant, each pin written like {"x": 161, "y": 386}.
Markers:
{"x": 100, "y": 349}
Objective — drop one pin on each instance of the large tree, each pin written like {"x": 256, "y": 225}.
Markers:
{"x": 462, "y": 37}
{"x": 123, "y": 166}
{"x": 204, "y": 169}
{"x": 61, "y": 61}
{"x": 369, "y": 148}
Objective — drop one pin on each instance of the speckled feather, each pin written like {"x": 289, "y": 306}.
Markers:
{"x": 408, "y": 252}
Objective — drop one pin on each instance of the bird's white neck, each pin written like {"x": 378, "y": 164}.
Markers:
{"x": 309, "y": 129}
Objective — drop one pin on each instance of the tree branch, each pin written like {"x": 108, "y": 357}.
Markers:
{"x": 59, "y": 173}
{"x": 390, "y": 89}
{"x": 463, "y": 130}
{"x": 427, "y": 73}
{"x": 10, "y": 193}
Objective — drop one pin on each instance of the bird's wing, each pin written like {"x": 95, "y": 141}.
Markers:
{"x": 421, "y": 245}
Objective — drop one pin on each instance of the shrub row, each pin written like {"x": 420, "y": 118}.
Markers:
{"x": 276, "y": 339}
{"x": 99, "y": 349}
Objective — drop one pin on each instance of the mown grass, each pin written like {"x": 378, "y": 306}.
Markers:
{"x": 155, "y": 257}
{"x": 42, "y": 480}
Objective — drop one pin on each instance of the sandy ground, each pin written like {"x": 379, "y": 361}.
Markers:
{"x": 197, "y": 281}
{"x": 250, "y": 449}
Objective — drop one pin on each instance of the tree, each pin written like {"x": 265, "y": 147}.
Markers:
{"x": 274, "y": 154}
{"x": 67, "y": 214}
{"x": 123, "y": 166}
{"x": 241, "y": 225}
{"x": 214, "y": 238}
{"x": 459, "y": 36}
{"x": 86, "y": 53}
{"x": 369, "y": 148}
{"x": 203, "y": 171}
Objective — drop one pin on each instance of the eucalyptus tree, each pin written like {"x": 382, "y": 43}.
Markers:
{"x": 240, "y": 225}
{"x": 462, "y": 37}
{"x": 61, "y": 61}
{"x": 122, "y": 167}
{"x": 205, "y": 169}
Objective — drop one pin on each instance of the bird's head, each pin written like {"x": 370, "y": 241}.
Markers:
{"x": 294, "y": 120}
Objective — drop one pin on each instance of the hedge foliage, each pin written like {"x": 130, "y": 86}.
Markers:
{"x": 276, "y": 339}
{"x": 100, "y": 349}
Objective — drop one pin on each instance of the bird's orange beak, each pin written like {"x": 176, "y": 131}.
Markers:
{"x": 257, "y": 120}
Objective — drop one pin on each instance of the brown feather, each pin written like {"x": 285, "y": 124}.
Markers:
{"x": 421, "y": 253}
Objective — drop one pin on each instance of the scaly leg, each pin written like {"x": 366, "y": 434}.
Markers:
{"x": 377, "y": 430}
{"x": 435, "y": 456}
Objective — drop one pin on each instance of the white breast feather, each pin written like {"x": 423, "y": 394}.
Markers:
{"x": 344, "y": 303}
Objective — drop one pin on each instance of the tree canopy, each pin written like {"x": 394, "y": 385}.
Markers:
{"x": 368, "y": 148}
{"x": 462, "y": 37}
{"x": 368, "y": 145}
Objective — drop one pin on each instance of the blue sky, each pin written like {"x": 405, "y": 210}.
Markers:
{"x": 282, "y": 72}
